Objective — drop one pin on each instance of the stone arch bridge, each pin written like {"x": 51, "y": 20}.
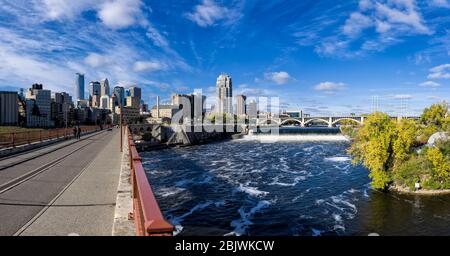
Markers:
{"x": 308, "y": 121}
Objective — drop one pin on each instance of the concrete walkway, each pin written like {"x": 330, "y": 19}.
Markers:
{"x": 86, "y": 206}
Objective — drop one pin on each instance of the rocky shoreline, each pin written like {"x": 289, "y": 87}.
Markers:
{"x": 424, "y": 192}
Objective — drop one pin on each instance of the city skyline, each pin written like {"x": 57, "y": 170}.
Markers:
{"x": 320, "y": 57}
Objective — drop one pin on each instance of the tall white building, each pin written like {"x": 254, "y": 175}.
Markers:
{"x": 224, "y": 86}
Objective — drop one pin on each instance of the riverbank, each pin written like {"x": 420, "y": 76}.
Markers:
{"x": 422, "y": 192}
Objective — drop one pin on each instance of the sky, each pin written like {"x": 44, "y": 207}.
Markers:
{"x": 322, "y": 56}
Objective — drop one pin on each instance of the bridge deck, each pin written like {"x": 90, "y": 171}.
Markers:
{"x": 71, "y": 190}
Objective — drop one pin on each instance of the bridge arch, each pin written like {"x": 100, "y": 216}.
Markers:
{"x": 347, "y": 118}
{"x": 316, "y": 119}
{"x": 291, "y": 120}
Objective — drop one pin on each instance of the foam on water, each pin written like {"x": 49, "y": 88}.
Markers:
{"x": 171, "y": 191}
{"x": 338, "y": 159}
{"x": 177, "y": 221}
{"x": 252, "y": 191}
{"x": 241, "y": 225}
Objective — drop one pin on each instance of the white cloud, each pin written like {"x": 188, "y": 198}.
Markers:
{"x": 278, "y": 77}
{"x": 156, "y": 37}
{"x": 96, "y": 60}
{"x": 440, "y": 3}
{"x": 440, "y": 72}
{"x": 329, "y": 86}
{"x": 430, "y": 84}
{"x": 115, "y": 14}
{"x": 119, "y": 14}
{"x": 22, "y": 70}
{"x": 209, "y": 13}
{"x": 149, "y": 66}
{"x": 386, "y": 16}
{"x": 402, "y": 13}
{"x": 402, "y": 97}
{"x": 62, "y": 9}
{"x": 356, "y": 23}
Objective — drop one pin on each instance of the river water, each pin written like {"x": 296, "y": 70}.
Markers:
{"x": 297, "y": 186}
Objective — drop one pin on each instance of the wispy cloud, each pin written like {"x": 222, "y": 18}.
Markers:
{"x": 440, "y": 72}
{"x": 210, "y": 13}
{"x": 430, "y": 84}
{"x": 279, "y": 78}
{"x": 329, "y": 87}
{"x": 148, "y": 66}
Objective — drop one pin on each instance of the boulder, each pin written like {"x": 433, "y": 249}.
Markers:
{"x": 439, "y": 136}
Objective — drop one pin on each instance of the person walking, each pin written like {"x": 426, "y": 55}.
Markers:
{"x": 79, "y": 132}
{"x": 75, "y": 132}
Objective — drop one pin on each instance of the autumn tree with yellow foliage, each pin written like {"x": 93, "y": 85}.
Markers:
{"x": 389, "y": 149}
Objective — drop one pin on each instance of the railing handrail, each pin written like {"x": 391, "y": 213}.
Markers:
{"x": 18, "y": 138}
{"x": 148, "y": 217}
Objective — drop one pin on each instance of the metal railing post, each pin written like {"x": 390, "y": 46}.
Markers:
{"x": 13, "y": 140}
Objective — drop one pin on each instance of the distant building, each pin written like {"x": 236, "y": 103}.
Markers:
{"x": 165, "y": 111}
{"x": 119, "y": 93}
{"x": 134, "y": 98}
{"x": 9, "y": 108}
{"x": 192, "y": 105}
{"x": 294, "y": 113}
{"x": 61, "y": 109}
{"x": 105, "y": 102}
{"x": 39, "y": 107}
{"x": 224, "y": 86}
{"x": 104, "y": 87}
{"x": 252, "y": 109}
{"x": 130, "y": 115}
{"x": 241, "y": 109}
{"x": 79, "y": 87}
{"x": 94, "y": 94}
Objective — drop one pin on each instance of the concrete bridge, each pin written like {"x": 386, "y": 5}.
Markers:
{"x": 93, "y": 186}
{"x": 330, "y": 121}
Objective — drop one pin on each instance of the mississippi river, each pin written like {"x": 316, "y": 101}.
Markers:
{"x": 306, "y": 188}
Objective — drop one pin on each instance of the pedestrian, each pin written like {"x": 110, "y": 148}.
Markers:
{"x": 79, "y": 132}
{"x": 75, "y": 132}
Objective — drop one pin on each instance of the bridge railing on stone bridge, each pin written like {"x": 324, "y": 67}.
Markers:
{"x": 148, "y": 219}
{"x": 15, "y": 139}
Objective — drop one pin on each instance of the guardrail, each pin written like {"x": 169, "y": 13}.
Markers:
{"x": 148, "y": 219}
{"x": 14, "y": 139}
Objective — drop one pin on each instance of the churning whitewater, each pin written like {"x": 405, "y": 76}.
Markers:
{"x": 250, "y": 187}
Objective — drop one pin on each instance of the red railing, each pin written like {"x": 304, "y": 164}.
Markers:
{"x": 14, "y": 139}
{"x": 147, "y": 215}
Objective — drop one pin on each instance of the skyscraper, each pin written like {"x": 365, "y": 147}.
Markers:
{"x": 104, "y": 87}
{"x": 119, "y": 93}
{"x": 224, "y": 87}
{"x": 240, "y": 105}
{"x": 38, "y": 106}
{"x": 94, "y": 93}
{"x": 134, "y": 99}
{"x": 79, "y": 87}
{"x": 9, "y": 108}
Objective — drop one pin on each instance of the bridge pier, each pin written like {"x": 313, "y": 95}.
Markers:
{"x": 330, "y": 122}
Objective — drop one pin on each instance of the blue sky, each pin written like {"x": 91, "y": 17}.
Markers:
{"x": 326, "y": 56}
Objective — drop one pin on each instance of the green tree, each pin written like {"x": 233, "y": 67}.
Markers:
{"x": 436, "y": 115}
{"x": 441, "y": 165}
{"x": 373, "y": 147}
{"x": 406, "y": 133}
